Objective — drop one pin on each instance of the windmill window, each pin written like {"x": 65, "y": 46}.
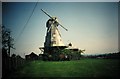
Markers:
{"x": 53, "y": 42}
{"x": 54, "y": 33}
{"x": 53, "y": 37}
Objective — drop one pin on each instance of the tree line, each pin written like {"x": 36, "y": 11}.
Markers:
{"x": 115, "y": 55}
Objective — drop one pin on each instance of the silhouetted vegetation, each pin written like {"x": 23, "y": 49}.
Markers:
{"x": 9, "y": 63}
{"x": 105, "y": 56}
{"x": 62, "y": 55}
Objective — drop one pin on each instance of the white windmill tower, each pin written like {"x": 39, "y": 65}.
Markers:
{"x": 53, "y": 39}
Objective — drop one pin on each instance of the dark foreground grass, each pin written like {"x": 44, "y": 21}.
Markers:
{"x": 78, "y": 68}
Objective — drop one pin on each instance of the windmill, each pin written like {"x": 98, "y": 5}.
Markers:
{"x": 53, "y": 39}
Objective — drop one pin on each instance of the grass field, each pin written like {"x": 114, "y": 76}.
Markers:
{"x": 78, "y": 68}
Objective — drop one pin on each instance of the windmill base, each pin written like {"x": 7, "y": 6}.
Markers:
{"x": 57, "y": 53}
{"x": 54, "y": 54}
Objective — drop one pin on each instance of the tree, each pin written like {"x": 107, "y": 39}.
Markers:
{"x": 7, "y": 40}
{"x": 72, "y": 54}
